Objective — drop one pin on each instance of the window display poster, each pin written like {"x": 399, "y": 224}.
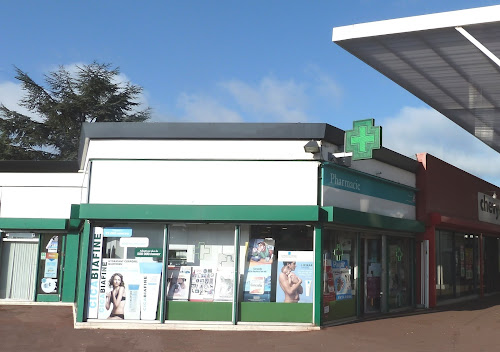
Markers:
{"x": 342, "y": 279}
{"x": 51, "y": 260}
{"x": 295, "y": 282}
{"x": 150, "y": 278}
{"x": 53, "y": 244}
{"x": 95, "y": 273}
{"x": 178, "y": 281}
{"x": 328, "y": 285}
{"x": 202, "y": 284}
{"x": 260, "y": 256}
{"x": 261, "y": 252}
{"x": 119, "y": 291}
{"x": 49, "y": 285}
{"x": 224, "y": 285}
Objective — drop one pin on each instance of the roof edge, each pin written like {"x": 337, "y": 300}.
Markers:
{"x": 449, "y": 19}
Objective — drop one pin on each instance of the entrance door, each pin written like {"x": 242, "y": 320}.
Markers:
{"x": 18, "y": 269}
{"x": 372, "y": 274}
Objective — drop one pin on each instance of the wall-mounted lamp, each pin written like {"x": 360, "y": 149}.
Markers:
{"x": 312, "y": 147}
{"x": 494, "y": 195}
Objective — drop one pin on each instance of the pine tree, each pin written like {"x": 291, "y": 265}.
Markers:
{"x": 91, "y": 94}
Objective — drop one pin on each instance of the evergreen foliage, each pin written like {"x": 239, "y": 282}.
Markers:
{"x": 91, "y": 94}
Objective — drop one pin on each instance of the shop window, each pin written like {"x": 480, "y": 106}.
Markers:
{"x": 125, "y": 271}
{"x": 457, "y": 264}
{"x": 49, "y": 273}
{"x": 399, "y": 272}
{"x": 339, "y": 265}
{"x": 276, "y": 266}
{"x": 445, "y": 265}
{"x": 197, "y": 254}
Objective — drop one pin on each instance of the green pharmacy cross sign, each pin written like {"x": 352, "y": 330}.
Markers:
{"x": 399, "y": 254}
{"x": 362, "y": 139}
{"x": 338, "y": 252}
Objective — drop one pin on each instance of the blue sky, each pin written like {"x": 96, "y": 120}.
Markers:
{"x": 255, "y": 61}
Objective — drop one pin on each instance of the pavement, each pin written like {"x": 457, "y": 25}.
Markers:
{"x": 465, "y": 326}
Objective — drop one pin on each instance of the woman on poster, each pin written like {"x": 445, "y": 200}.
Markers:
{"x": 116, "y": 297}
{"x": 290, "y": 283}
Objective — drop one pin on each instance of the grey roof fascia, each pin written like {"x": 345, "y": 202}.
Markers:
{"x": 41, "y": 166}
{"x": 228, "y": 131}
{"x": 208, "y": 131}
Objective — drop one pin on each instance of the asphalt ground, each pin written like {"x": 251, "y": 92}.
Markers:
{"x": 467, "y": 326}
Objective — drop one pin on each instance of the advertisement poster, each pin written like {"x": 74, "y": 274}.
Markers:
{"x": 295, "y": 282}
{"x": 150, "y": 278}
{"x": 53, "y": 244}
{"x": 342, "y": 279}
{"x": 328, "y": 285}
{"x": 202, "y": 284}
{"x": 49, "y": 285}
{"x": 119, "y": 290}
{"x": 224, "y": 285}
{"x": 51, "y": 260}
{"x": 260, "y": 256}
{"x": 178, "y": 281}
{"x": 95, "y": 273}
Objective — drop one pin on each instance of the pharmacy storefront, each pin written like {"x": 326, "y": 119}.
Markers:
{"x": 368, "y": 250}
{"x": 212, "y": 271}
{"x": 232, "y": 230}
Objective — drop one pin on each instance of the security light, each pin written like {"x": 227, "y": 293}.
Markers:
{"x": 312, "y": 147}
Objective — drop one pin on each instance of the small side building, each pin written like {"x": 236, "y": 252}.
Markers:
{"x": 460, "y": 248}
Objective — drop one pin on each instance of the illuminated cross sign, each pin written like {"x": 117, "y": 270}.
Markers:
{"x": 338, "y": 252}
{"x": 362, "y": 139}
{"x": 399, "y": 254}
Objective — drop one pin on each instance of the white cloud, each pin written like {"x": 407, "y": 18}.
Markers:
{"x": 424, "y": 130}
{"x": 205, "y": 109}
{"x": 324, "y": 85}
{"x": 270, "y": 100}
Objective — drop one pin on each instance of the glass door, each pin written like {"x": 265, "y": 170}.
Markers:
{"x": 373, "y": 274}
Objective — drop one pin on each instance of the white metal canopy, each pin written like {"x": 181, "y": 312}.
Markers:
{"x": 449, "y": 60}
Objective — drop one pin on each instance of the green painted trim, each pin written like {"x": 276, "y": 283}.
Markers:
{"x": 318, "y": 276}
{"x": 163, "y": 305}
{"x": 32, "y": 224}
{"x": 276, "y": 312}
{"x": 358, "y": 218}
{"x": 199, "y": 311}
{"x": 200, "y": 212}
{"x": 47, "y": 298}
{"x": 82, "y": 272}
{"x": 360, "y": 268}
{"x": 39, "y": 251}
{"x": 236, "y": 273}
{"x": 62, "y": 263}
{"x": 74, "y": 222}
{"x": 70, "y": 268}
{"x": 385, "y": 294}
{"x": 345, "y": 308}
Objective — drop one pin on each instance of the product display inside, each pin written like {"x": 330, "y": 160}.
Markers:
{"x": 125, "y": 272}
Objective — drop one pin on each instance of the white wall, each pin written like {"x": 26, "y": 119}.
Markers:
{"x": 197, "y": 149}
{"x": 386, "y": 171}
{"x": 203, "y": 182}
{"x": 39, "y": 195}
